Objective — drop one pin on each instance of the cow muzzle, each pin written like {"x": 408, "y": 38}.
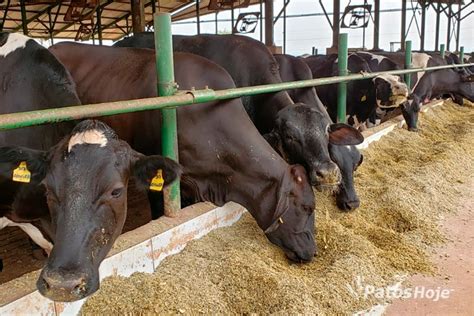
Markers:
{"x": 65, "y": 286}
{"x": 325, "y": 176}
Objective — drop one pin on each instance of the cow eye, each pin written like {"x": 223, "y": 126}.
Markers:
{"x": 116, "y": 193}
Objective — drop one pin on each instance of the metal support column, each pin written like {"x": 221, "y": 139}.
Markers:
{"x": 461, "y": 55}
{"x": 269, "y": 38}
{"x": 167, "y": 87}
{"x": 438, "y": 17}
{"x": 335, "y": 23}
{"x": 408, "y": 63}
{"x": 284, "y": 27}
{"x": 458, "y": 28}
{"x": 198, "y": 17}
{"x": 404, "y": 25}
{"x": 24, "y": 22}
{"x": 442, "y": 50}
{"x": 376, "y": 24}
{"x": 138, "y": 16}
{"x": 99, "y": 24}
{"x": 448, "y": 39}
{"x": 232, "y": 18}
{"x": 423, "y": 26}
{"x": 342, "y": 87}
{"x": 261, "y": 20}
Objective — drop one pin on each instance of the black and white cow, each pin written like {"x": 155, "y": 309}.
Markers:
{"x": 363, "y": 96}
{"x": 378, "y": 63}
{"x": 31, "y": 78}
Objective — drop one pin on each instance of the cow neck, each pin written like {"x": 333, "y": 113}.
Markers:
{"x": 270, "y": 105}
{"x": 260, "y": 196}
{"x": 238, "y": 165}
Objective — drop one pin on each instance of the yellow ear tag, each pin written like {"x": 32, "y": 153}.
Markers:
{"x": 22, "y": 174}
{"x": 157, "y": 182}
{"x": 364, "y": 97}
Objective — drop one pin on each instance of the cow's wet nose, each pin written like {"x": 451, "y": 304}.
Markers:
{"x": 64, "y": 287}
{"x": 352, "y": 205}
{"x": 327, "y": 174}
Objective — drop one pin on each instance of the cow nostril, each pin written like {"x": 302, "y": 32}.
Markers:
{"x": 46, "y": 284}
{"x": 80, "y": 289}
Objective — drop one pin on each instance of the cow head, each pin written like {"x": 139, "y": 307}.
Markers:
{"x": 410, "y": 111}
{"x": 348, "y": 158}
{"x": 86, "y": 177}
{"x": 292, "y": 225}
{"x": 390, "y": 92}
{"x": 302, "y": 134}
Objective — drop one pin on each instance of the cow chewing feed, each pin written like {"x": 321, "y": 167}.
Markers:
{"x": 86, "y": 177}
{"x": 347, "y": 158}
{"x": 363, "y": 96}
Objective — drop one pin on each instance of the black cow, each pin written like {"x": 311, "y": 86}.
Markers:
{"x": 86, "y": 178}
{"x": 300, "y": 134}
{"x": 224, "y": 158}
{"x": 347, "y": 158}
{"x": 30, "y": 79}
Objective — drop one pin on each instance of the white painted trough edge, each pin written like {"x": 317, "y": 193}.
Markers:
{"x": 143, "y": 257}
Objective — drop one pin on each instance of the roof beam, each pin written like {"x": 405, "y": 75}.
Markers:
{"x": 37, "y": 15}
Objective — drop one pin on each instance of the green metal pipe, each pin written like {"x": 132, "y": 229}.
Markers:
{"x": 32, "y": 118}
{"x": 167, "y": 87}
{"x": 442, "y": 50}
{"x": 461, "y": 55}
{"x": 342, "y": 87}
{"x": 408, "y": 63}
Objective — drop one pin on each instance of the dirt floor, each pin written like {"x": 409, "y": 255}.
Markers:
{"x": 455, "y": 273}
{"x": 17, "y": 254}
{"x": 409, "y": 184}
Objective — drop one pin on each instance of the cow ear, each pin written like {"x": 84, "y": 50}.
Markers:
{"x": 343, "y": 134}
{"x": 155, "y": 172}
{"x": 298, "y": 173}
{"x": 23, "y": 164}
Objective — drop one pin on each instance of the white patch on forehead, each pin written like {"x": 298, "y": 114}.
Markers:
{"x": 88, "y": 137}
{"x": 14, "y": 41}
{"x": 348, "y": 147}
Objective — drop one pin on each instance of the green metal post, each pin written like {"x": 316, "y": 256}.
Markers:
{"x": 408, "y": 64}
{"x": 342, "y": 87}
{"x": 166, "y": 87}
{"x": 461, "y": 55}
{"x": 442, "y": 50}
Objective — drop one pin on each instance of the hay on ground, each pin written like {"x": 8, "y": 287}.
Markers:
{"x": 407, "y": 183}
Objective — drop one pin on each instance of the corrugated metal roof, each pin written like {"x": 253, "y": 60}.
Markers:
{"x": 73, "y": 19}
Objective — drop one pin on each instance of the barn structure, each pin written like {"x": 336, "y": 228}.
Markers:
{"x": 98, "y": 21}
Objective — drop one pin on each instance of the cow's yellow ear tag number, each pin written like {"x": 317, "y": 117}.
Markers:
{"x": 157, "y": 182}
{"x": 22, "y": 174}
{"x": 364, "y": 98}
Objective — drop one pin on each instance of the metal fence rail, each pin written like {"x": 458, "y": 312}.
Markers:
{"x": 168, "y": 102}
{"x": 31, "y": 118}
